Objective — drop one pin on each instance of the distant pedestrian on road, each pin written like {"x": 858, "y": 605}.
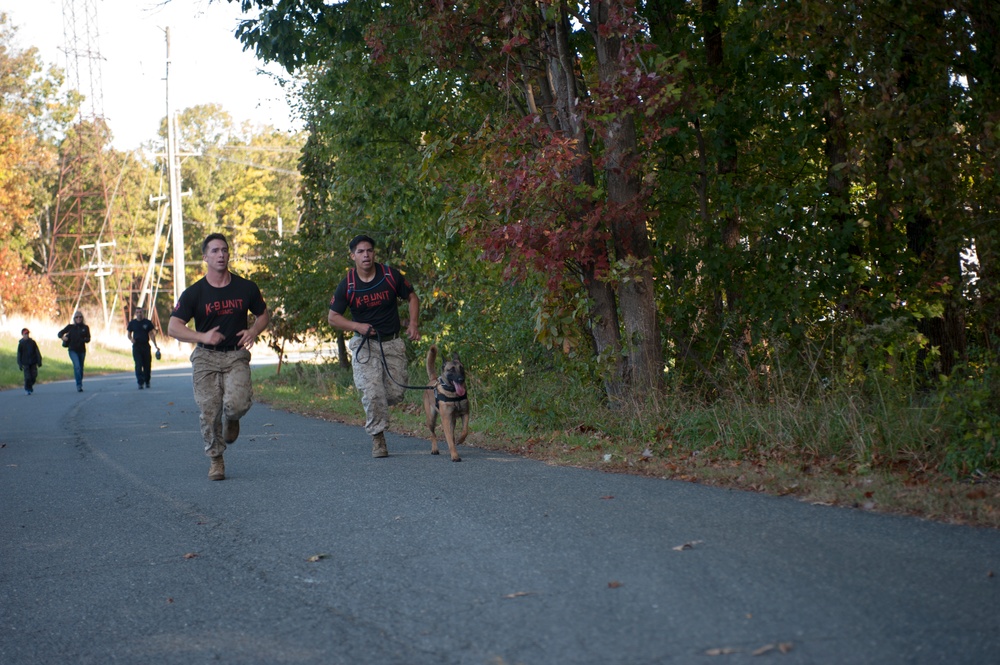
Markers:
{"x": 371, "y": 291}
{"x": 141, "y": 332}
{"x": 29, "y": 359}
{"x": 75, "y": 337}
{"x": 219, "y": 303}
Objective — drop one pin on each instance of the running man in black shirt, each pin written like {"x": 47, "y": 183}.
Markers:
{"x": 372, "y": 291}
{"x": 219, "y": 303}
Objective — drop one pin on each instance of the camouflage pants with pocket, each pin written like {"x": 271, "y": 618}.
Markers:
{"x": 222, "y": 389}
{"x": 378, "y": 390}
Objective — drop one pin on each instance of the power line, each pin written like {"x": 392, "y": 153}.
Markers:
{"x": 256, "y": 166}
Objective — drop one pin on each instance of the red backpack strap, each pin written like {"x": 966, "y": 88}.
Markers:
{"x": 350, "y": 287}
{"x": 390, "y": 278}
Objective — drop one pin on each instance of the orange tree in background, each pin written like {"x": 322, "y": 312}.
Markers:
{"x": 30, "y": 108}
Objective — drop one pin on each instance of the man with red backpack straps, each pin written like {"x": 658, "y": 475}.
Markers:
{"x": 372, "y": 290}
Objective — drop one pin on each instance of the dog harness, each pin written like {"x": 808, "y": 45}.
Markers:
{"x": 438, "y": 397}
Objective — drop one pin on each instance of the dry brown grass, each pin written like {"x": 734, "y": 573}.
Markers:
{"x": 904, "y": 491}
{"x": 839, "y": 456}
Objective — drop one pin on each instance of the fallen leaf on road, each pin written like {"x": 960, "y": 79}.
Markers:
{"x": 614, "y": 584}
{"x": 607, "y": 497}
{"x": 268, "y": 425}
{"x": 783, "y": 647}
{"x": 169, "y": 600}
{"x": 519, "y": 594}
{"x": 316, "y": 557}
{"x": 721, "y": 651}
{"x": 688, "y": 546}
{"x": 190, "y": 555}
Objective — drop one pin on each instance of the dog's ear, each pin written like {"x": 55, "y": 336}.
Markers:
{"x": 455, "y": 357}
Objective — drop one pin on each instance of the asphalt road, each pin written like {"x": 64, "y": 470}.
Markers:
{"x": 115, "y": 548}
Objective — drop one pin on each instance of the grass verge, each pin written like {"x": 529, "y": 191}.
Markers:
{"x": 832, "y": 452}
{"x": 56, "y": 365}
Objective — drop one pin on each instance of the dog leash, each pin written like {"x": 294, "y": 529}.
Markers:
{"x": 378, "y": 336}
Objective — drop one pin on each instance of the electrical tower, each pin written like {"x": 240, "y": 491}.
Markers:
{"x": 81, "y": 234}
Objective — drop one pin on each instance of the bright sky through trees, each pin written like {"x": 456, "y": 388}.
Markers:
{"x": 208, "y": 63}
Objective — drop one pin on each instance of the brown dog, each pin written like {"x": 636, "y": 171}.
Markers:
{"x": 448, "y": 398}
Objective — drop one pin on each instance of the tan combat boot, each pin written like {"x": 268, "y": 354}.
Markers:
{"x": 218, "y": 469}
{"x": 230, "y": 430}
{"x": 378, "y": 446}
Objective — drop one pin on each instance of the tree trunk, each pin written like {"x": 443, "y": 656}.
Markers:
{"x": 628, "y": 222}
{"x": 984, "y": 85}
{"x": 726, "y": 167}
{"x": 342, "y": 358}
{"x": 937, "y": 250}
{"x": 604, "y": 333}
{"x": 940, "y": 261}
{"x": 559, "y": 93}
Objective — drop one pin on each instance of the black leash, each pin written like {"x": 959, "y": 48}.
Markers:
{"x": 364, "y": 342}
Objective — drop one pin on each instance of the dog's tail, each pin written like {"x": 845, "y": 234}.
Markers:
{"x": 431, "y": 359}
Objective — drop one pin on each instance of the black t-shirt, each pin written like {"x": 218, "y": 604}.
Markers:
{"x": 225, "y": 307}
{"x": 374, "y": 302}
{"x": 140, "y": 331}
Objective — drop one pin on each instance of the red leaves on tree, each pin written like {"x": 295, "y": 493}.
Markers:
{"x": 534, "y": 212}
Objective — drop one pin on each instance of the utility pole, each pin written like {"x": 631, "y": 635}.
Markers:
{"x": 174, "y": 170}
{"x": 150, "y": 275}
{"x": 81, "y": 201}
{"x": 148, "y": 279}
{"x": 101, "y": 270}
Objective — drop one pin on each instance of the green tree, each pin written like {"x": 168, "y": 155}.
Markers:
{"x": 242, "y": 181}
{"x": 782, "y": 181}
{"x": 446, "y": 56}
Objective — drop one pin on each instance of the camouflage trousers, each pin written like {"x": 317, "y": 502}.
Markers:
{"x": 222, "y": 389}
{"x": 378, "y": 391}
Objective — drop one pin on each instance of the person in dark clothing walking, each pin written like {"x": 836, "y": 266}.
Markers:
{"x": 75, "y": 337}
{"x": 141, "y": 332}
{"x": 29, "y": 359}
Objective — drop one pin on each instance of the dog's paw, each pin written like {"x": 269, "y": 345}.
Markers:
{"x": 435, "y": 452}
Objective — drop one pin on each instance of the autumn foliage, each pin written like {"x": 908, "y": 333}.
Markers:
{"x": 723, "y": 198}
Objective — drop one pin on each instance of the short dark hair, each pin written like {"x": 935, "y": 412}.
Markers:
{"x": 210, "y": 238}
{"x": 360, "y": 239}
